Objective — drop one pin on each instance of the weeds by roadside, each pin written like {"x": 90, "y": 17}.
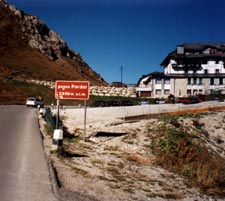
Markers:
{"x": 182, "y": 150}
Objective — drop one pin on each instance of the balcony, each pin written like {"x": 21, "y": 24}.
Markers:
{"x": 196, "y": 87}
{"x": 144, "y": 88}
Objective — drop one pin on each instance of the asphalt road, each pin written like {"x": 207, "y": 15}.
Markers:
{"x": 24, "y": 174}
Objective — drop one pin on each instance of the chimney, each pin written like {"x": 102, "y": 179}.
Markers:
{"x": 180, "y": 49}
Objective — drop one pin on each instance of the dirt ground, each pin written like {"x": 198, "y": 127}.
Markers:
{"x": 115, "y": 161}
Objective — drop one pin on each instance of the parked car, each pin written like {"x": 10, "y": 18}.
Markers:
{"x": 219, "y": 98}
{"x": 144, "y": 103}
{"x": 189, "y": 100}
{"x": 39, "y": 103}
{"x": 34, "y": 102}
{"x": 160, "y": 101}
{"x": 118, "y": 84}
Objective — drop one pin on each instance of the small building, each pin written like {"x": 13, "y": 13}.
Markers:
{"x": 192, "y": 68}
{"x": 151, "y": 85}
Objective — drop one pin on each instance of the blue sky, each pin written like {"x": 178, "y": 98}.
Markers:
{"x": 135, "y": 34}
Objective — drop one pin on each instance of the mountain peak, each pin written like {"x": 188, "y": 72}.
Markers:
{"x": 45, "y": 48}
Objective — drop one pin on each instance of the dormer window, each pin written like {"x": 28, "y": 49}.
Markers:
{"x": 206, "y": 51}
{"x": 206, "y": 71}
{"x": 217, "y": 71}
{"x": 146, "y": 82}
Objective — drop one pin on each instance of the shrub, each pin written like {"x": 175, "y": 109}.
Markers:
{"x": 178, "y": 151}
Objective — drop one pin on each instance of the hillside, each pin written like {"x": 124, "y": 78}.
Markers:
{"x": 177, "y": 157}
{"x": 30, "y": 50}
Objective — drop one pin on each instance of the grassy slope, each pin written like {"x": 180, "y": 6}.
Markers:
{"x": 185, "y": 151}
{"x": 16, "y": 92}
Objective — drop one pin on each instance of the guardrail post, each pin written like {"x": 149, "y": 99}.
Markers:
{"x": 57, "y": 140}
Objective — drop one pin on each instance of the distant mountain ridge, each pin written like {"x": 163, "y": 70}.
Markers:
{"x": 30, "y": 50}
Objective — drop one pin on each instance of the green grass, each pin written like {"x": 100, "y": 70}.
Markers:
{"x": 135, "y": 101}
{"x": 16, "y": 92}
{"x": 178, "y": 150}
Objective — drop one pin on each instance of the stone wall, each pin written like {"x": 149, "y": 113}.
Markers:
{"x": 112, "y": 91}
{"x": 97, "y": 90}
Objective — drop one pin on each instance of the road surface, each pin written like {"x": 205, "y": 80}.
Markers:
{"x": 24, "y": 174}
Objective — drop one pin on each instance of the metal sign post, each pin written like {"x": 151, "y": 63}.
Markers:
{"x": 57, "y": 115}
{"x": 85, "y": 118}
{"x": 73, "y": 90}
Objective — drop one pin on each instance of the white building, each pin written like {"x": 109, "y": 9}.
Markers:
{"x": 192, "y": 68}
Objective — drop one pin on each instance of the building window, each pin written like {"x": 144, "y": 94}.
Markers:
{"x": 212, "y": 81}
{"x": 221, "y": 81}
{"x": 158, "y": 80}
{"x": 158, "y": 92}
{"x": 206, "y": 71}
{"x": 166, "y": 92}
{"x": 217, "y": 71}
{"x": 189, "y": 92}
{"x": 216, "y": 81}
{"x": 195, "y": 81}
{"x": 200, "y": 81}
{"x": 195, "y": 92}
{"x": 167, "y": 81}
{"x": 194, "y": 71}
{"x": 189, "y": 81}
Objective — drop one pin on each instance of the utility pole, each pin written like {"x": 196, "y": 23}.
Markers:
{"x": 121, "y": 71}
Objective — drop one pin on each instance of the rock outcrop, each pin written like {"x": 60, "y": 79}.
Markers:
{"x": 40, "y": 37}
{"x": 29, "y": 49}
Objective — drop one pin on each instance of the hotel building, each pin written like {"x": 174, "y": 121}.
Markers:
{"x": 192, "y": 68}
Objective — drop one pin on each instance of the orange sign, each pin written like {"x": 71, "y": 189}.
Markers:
{"x": 76, "y": 90}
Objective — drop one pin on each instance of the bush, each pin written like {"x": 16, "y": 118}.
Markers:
{"x": 178, "y": 151}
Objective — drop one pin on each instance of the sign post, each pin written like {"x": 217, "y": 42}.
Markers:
{"x": 57, "y": 115}
{"x": 85, "y": 118}
{"x": 73, "y": 90}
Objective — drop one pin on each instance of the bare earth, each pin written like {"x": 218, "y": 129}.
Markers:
{"x": 121, "y": 166}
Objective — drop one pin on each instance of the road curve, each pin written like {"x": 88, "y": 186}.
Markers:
{"x": 24, "y": 174}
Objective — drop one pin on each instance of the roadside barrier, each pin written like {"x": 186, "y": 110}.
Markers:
{"x": 57, "y": 140}
{"x": 42, "y": 112}
{"x": 194, "y": 111}
{"x": 49, "y": 118}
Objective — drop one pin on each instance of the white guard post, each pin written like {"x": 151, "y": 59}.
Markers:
{"x": 42, "y": 111}
{"x": 57, "y": 140}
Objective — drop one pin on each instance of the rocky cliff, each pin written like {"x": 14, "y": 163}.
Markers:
{"x": 29, "y": 49}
